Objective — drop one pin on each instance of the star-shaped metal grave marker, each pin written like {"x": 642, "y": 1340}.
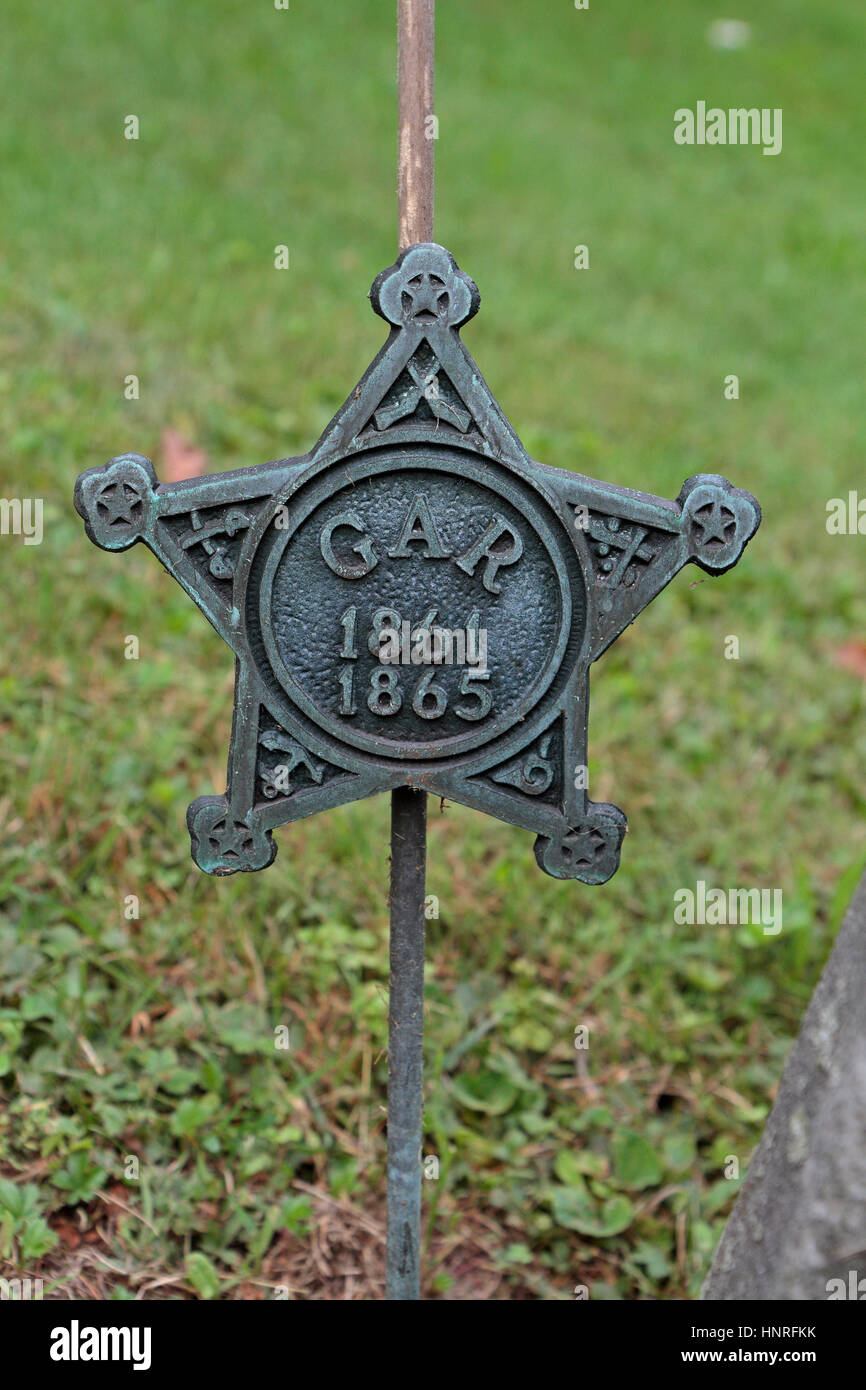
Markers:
{"x": 418, "y": 512}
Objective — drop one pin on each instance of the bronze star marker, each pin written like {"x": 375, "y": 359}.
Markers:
{"x": 419, "y": 507}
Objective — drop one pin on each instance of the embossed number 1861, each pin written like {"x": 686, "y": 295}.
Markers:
{"x": 429, "y": 698}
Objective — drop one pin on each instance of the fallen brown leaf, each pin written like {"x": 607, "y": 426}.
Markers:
{"x": 180, "y": 459}
{"x": 851, "y": 656}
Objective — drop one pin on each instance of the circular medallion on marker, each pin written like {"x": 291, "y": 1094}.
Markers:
{"x": 415, "y": 605}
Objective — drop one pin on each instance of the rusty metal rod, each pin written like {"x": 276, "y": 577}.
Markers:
{"x": 415, "y": 44}
{"x": 416, "y": 146}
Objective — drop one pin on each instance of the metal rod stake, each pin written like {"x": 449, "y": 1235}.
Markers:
{"x": 415, "y": 46}
{"x": 406, "y": 1041}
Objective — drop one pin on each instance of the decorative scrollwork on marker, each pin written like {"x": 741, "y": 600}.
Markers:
{"x": 276, "y": 779}
{"x": 621, "y": 549}
{"x": 531, "y": 773}
{"x": 220, "y": 563}
{"x": 423, "y": 380}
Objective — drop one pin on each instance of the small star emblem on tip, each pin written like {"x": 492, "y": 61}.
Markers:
{"x": 428, "y": 295}
{"x": 716, "y": 523}
{"x": 118, "y": 500}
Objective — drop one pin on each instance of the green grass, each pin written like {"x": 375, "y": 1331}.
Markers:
{"x": 152, "y": 1039}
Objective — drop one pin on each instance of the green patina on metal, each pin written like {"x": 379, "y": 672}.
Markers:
{"x": 415, "y": 602}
